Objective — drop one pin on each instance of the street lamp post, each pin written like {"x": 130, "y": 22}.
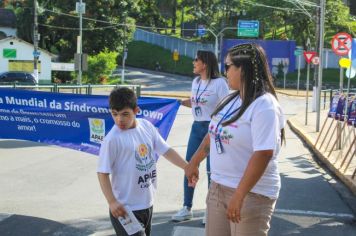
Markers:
{"x": 217, "y": 40}
{"x": 124, "y": 54}
{"x": 80, "y": 51}
{"x": 320, "y": 77}
{"x": 35, "y": 42}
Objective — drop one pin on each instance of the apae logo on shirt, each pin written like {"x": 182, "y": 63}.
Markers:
{"x": 143, "y": 156}
{"x": 144, "y": 162}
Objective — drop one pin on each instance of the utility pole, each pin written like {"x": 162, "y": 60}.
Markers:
{"x": 35, "y": 42}
{"x": 320, "y": 77}
{"x": 124, "y": 54}
{"x": 80, "y": 48}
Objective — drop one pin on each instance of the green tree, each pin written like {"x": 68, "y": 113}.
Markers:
{"x": 100, "y": 67}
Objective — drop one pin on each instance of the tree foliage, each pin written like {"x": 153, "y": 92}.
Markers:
{"x": 58, "y": 22}
{"x": 100, "y": 67}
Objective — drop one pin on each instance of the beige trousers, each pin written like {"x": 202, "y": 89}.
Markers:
{"x": 256, "y": 213}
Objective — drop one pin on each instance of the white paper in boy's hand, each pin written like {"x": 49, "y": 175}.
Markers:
{"x": 130, "y": 222}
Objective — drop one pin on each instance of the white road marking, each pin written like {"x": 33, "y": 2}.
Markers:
{"x": 315, "y": 213}
{"x": 3, "y": 216}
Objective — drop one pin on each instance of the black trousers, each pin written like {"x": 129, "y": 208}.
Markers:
{"x": 143, "y": 216}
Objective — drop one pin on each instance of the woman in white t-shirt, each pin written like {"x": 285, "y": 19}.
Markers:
{"x": 208, "y": 89}
{"x": 245, "y": 135}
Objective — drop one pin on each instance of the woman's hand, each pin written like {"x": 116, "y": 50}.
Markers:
{"x": 233, "y": 211}
{"x": 117, "y": 209}
{"x": 192, "y": 173}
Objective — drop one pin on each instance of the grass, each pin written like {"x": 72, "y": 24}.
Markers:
{"x": 330, "y": 76}
{"x": 145, "y": 55}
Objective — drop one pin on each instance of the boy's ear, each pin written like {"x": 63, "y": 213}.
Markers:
{"x": 136, "y": 110}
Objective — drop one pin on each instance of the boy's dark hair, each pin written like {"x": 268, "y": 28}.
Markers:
{"x": 121, "y": 98}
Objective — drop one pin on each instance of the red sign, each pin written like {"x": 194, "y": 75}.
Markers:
{"x": 341, "y": 44}
{"x": 308, "y": 56}
{"x": 316, "y": 60}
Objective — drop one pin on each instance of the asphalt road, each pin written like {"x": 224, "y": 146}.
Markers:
{"x": 48, "y": 190}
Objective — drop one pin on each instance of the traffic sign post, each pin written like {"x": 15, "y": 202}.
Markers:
{"x": 308, "y": 56}
{"x": 248, "y": 28}
{"x": 175, "y": 58}
{"x": 201, "y": 30}
{"x": 298, "y": 52}
{"x": 316, "y": 60}
{"x": 341, "y": 44}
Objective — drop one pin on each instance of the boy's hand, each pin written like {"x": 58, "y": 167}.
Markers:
{"x": 117, "y": 209}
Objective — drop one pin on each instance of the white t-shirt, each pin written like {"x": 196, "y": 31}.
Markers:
{"x": 206, "y": 94}
{"x": 129, "y": 156}
{"x": 257, "y": 129}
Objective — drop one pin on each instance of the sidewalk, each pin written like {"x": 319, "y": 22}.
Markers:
{"x": 331, "y": 155}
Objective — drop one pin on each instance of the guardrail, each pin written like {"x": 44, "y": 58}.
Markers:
{"x": 78, "y": 89}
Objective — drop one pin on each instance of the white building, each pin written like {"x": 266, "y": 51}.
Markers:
{"x": 7, "y": 23}
{"x": 17, "y": 55}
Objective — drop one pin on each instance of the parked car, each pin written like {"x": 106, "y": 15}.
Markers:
{"x": 18, "y": 77}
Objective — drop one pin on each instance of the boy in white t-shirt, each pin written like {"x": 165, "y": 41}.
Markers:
{"x": 128, "y": 154}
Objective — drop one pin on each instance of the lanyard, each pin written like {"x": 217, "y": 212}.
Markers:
{"x": 227, "y": 114}
{"x": 197, "y": 97}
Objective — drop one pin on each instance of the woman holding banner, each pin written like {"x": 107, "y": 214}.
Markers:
{"x": 208, "y": 88}
{"x": 244, "y": 139}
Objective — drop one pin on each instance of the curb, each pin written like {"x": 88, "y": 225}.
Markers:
{"x": 308, "y": 140}
{"x": 294, "y": 94}
{"x": 167, "y": 94}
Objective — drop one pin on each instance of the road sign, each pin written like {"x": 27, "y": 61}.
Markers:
{"x": 59, "y": 66}
{"x": 248, "y": 28}
{"x": 175, "y": 55}
{"x": 341, "y": 44}
{"x": 201, "y": 30}
{"x": 308, "y": 56}
{"x": 298, "y": 52}
{"x": 316, "y": 60}
{"x": 9, "y": 53}
{"x": 36, "y": 53}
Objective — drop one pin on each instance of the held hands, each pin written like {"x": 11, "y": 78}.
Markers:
{"x": 117, "y": 209}
{"x": 192, "y": 173}
{"x": 233, "y": 211}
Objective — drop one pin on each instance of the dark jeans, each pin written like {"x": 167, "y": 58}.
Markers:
{"x": 197, "y": 134}
{"x": 143, "y": 216}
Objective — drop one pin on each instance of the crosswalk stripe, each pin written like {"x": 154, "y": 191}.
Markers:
{"x": 3, "y": 216}
{"x": 191, "y": 231}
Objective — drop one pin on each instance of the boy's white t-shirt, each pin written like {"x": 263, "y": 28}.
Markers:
{"x": 257, "y": 129}
{"x": 129, "y": 156}
{"x": 210, "y": 93}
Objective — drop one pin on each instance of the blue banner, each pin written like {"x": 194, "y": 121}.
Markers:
{"x": 74, "y": 121}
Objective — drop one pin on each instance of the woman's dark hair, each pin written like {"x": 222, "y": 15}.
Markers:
{"x": 209, "y": 59}
{"x": 121, "y": 98}
{"x": 256, "y": 78}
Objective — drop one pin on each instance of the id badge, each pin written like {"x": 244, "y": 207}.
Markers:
{"x": 197, "y": 111}
{"x": 218, "y": 144}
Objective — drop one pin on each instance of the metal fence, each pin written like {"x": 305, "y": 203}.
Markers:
{"x": 189, "y": 49}
{"x": 88, "y": 89}
{"x": 184, "y": 47}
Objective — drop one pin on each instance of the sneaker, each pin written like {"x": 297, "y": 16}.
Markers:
{"x": 183, "y": 214}
{"x": 204, "y": 219}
